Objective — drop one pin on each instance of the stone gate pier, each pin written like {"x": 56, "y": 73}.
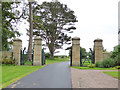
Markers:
{"x": 37, "y": 61}
{"x": 76, "y": 51}
{"x": 98, "y": 47}
{"x": 17, "y": 46}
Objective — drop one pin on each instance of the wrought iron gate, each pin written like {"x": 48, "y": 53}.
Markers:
{"x": 71, "y": 57}
{"x": 26, "y": 59}
{"x": 43, "y": 57}
{"x": 90, "y": 58}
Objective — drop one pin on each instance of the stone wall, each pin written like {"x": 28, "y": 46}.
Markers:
{"x": 6, "y": 54}
{"x": 106, "y": 55}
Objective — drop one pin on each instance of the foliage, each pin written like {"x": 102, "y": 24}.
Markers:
{"x": 91, "y": 65}
{"x": 98, "y": 64}
{"x": 56, "y": 56}
{"x": 116, "y": 55}
{"x": 117, "y": 67}
{"x": 96, "y": 68}
{"x": 47, "y": 55}
{"x": 84, "y": 54}
{"x": 10, "y": 16}
{"x": 106, "y": 63}
{"x": 55, "y": 60}
{"x": 57, "y": 19}
{"x": 8, "y": 61}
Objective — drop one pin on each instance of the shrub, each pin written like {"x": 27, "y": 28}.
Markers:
{"x": 117, "y": 60}
{"x": 56, "y": 56}
{"x": 108, "y": 62}
{"x": 116, "y": 55}
{"x": 47, "y": 55}
{"x": 8, "y": 61}
{"x": 117, "y": 67}
{"x": 99, "y": 64}
{"x": 91, "y": 65}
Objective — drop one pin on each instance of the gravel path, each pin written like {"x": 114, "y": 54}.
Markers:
{"x": 92, "y": 79}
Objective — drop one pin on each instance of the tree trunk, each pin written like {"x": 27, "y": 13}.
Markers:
{"x": 51, "y": 55}
{"x": 30, "y": 29}
{"x": 51, "y": 49}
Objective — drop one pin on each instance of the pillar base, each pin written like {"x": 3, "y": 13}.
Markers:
{"x": 37, "y": 63}
{"x": 75, "y": 63}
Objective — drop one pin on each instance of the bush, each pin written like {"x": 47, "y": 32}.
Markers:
{"x": 47, "y": 55}
{"x": 108, "y": 62}
{"x": 8, "y": 61}
{"x": 116, "y": 55}
{"x": 56, "y": 56}
{"x": 117, "y": 67}
{"x": 91, "y": 65}
{"x": 117, "y": 61}
{"x": 99, "y": 64}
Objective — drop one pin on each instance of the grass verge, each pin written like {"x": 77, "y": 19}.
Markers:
{"x": 56, "y": 60}
{"x": 115, "y": 74}
{"x": 12, "y": 73}
{"x": 77, "y": 67}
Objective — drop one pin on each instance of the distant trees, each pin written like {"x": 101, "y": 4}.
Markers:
{"x": 57, "y": 19}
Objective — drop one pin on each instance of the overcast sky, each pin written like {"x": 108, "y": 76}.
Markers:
{"x": 96, "y": 19}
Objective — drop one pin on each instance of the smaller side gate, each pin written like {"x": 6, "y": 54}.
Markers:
{"x": 26, "y": 59}
{"x": 43, "y": 57}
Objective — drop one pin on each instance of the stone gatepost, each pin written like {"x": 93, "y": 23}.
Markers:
{"x": 98, "y": 47}
{"x": 37, "y": 61}
{"x": 17, "y": 46}
{"x": 76, "y": 51}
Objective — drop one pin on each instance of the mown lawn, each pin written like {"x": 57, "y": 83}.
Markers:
{"x": 115, "y": 74}
{"x": 0, "y": 76}
{"x": 12, "y": 73}
{"x": 78, "y": 67}
{"x": 56, "y": 60}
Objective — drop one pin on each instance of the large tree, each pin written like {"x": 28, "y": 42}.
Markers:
{"x": 10, "y": 16}
{"x": 30, "y": 28}
{"x": 57, "y": 20}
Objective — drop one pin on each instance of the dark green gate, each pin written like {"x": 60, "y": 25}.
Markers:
{"x": 71, "y": 57}
{"x": 43, "y": 57}
{"x": 26, "y": 59}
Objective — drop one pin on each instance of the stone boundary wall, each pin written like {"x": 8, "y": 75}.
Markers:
{"x": 106, "y": 54}
{"x": 6, "y": 54}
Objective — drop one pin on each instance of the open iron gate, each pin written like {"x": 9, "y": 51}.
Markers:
{"x": 26, "y": 59}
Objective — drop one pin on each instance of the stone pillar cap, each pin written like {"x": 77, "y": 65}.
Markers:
{"x": 98, "y": 40}
{"x": 75, "y": 38}
{"x": 37, "y": 38}
{"x": 17, "y": 39}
